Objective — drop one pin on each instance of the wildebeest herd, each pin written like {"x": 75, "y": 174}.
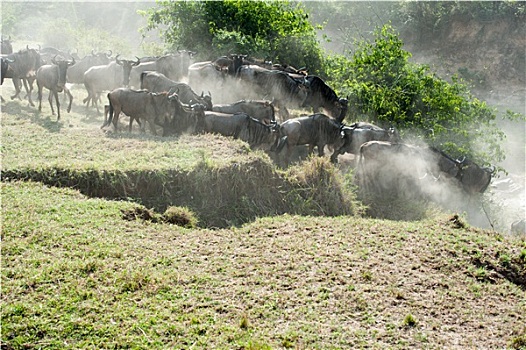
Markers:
{"x": 161, "y": 92}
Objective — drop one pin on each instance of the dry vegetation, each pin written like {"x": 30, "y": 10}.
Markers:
{"x": 294, "y": 266}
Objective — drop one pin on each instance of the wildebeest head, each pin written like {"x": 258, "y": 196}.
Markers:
{"x": 5, "y": 65}
{"x": 126, "y": 68}
{"x": 6, "y": 47}
{"x": 206, "y": 100}
{"x": 62, "y": 69}
{"x": 474, "y": 179}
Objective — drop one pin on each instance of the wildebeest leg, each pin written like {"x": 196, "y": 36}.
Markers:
{"x": 334, "y": 156}
{"x": 58, "y": 104}
{"x": 50, "y": 99}
{"x": 68, "y": 93}
{"x": 152, "y": 127}
{"x": 17, "y": 84}
{"x": 28, "y": 85}
{"x": 40, "y": 97}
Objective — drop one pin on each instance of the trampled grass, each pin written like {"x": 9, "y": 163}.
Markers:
{"x": 75, "y": 274}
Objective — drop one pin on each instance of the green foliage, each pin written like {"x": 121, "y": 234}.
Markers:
{"x": 386, "y": 88}
{"x": 278, "y": 31}
{"x": 410, "y": 321}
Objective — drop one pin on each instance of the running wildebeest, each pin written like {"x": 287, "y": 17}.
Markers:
{"x": 106, "y": 77}
{"x": 262, "y": 110}
{"x": 239, "y": 126}
{"x": 23, "y": 70}
{"x": 53, "y": 77}
{"x": 154, "y": 108}
{"x": 158, "y": 82}
{"x": 315, "y": 130}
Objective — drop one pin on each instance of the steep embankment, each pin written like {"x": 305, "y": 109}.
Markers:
{"x": 489, "y": 55}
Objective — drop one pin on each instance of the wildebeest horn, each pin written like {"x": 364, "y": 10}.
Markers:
{"x": 93, "y": 52}
{"x": 53, "y": 60}
{"x": 110, "y": 53}
{"x": 202, "y": 94}
{"x": 119, "y": 62}
{"x": 461, "y": 161}
{"x": 70, "y": 63}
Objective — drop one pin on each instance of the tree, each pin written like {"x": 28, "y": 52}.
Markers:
{"x": 387, "y": 89}
{"x": 278, "y": 31}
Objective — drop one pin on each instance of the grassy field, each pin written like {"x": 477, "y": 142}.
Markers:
{"x": 80, "y": 272}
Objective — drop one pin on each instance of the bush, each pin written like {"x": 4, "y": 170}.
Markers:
{"x": 387, "y": 89}
{"x": 180, "y": 216}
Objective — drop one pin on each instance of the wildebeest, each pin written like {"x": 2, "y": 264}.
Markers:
{"x": 106, "y": 77}
{"x": 6, "y": 47}
{"x": 315, "y": 130}
{"x": 386, "y": 165}
{"x": 23, "y": 69}
{"x": 361, "y": 132}
{"x": 47, "y": 54}
{"x": 53, "y": 77}
{"x": 5, "y": 65}
{"x": 75, "y": 74}
{"x": 185, "y": 118}
{"x": 158, "y": 82}
{"x": 387, "y": 168}
{"x": 473, "y": 178}
{"x": 321, "y": 96}
{"x": 173, "y": 66}
{"x": 275, "y": 85}
{"x": 262, "y": 110}
{"x": 154, "y": 108}
{"x": 239, "y": 126}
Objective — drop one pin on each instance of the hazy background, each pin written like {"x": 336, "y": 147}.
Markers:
{"x": 489, "y": 52}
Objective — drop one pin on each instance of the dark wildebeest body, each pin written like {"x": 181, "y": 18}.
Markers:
{"x": 108, "y": 77}
{"x": 155, "y": 108}
{"x": 315, "y": 130}
{"x": 23, "y": 69}
{"x": 275, "y": 85}
{"x": 53, "y": 77}
{"x": 239, "y": 126}
{"x": 5, "y": 65}
{"x": 262, "y": 110}
{"x": 185, "y": 118}
{"x": 473, "y": 178}
{"x": 321, "y": 96}
{"x": 158, "y": 82}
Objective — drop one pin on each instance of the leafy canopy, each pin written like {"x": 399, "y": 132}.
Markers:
{"x": 387, "y": 89}
{"x": 274, "y": 30}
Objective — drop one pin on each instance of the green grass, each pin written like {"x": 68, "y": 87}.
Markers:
{"x": 75, "y": 274}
